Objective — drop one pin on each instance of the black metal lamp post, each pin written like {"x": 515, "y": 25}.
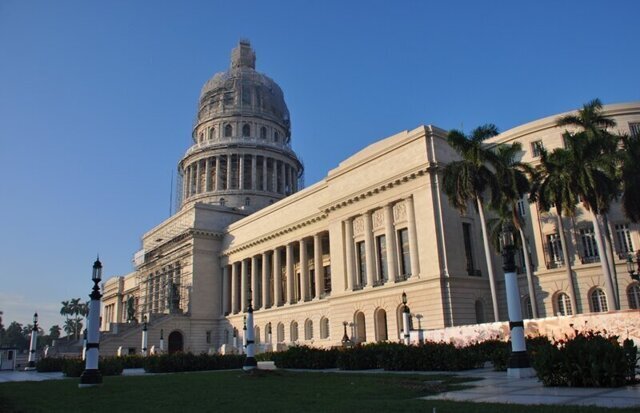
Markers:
{"x": 633, "y": 267}
{"x": 250, "y": 362}
{"x": 33, "y": 344}
{"x": 345, "y": 336}
{"x": 406, "y": 314}
{"x": 518, "y": 365}
{"x": 145, "y": 335}
{"x": 91, "y": 375}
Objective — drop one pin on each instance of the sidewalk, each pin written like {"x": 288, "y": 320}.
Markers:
{"x": 9, "y": 376}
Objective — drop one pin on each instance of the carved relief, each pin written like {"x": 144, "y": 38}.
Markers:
{"x": 378, "y": 219}
{"x": 400, "y": 211}
{"x": 358, "y": 225}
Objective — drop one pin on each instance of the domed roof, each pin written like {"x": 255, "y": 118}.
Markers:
{"x": 242, "y": 90}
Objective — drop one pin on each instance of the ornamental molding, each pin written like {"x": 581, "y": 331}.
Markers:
{"x": 358, "y": 225}
{"x": 377, "y": 219}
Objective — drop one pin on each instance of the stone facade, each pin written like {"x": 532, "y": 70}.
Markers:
{"x": 341, "y": 250}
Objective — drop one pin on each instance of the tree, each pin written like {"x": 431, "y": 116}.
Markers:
{"x": 594, "y": 159}
{"x": 630, "y": 176}
{"x": 513, "y": 177}
{"x": 553, "y": 187}
{"x": 469, "y": 179}
{"x": 54, "y": 332}
{"x": 74, "y": 310}
{"x": 14, "y": 337}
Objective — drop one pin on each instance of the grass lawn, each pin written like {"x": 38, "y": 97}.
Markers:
{"x": 269, "y": 391}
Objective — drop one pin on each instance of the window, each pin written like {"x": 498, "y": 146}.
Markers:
{"x": 479, "y": 312}
{"x": 294, "y": 331}
{"x": 212, "y": 133}
{"x": 598, "y": 301}
{"x": 327, "y": 279}
{"x": 246, "y": 130}
{"x": 589, "y": 247}
{"x": 263, "y": 133}
{"x": 201, "y": 138}
{"x": 527, "y": 309}
{"x": 247, "y": 201}
{"x": 623, "y": 236}
{"x": 308, "y": 330}
{"x": 536, "y": 148}
{"x": 468, "y": 248}
{"x": 633, "y": 294}
{"x": 634, "y": 129}
{"x": 324, "y": 327}
{"x": 405, "y": 258}
{"x": 362, "y": 264}
{"x": 381, "y": 250}
{"x": 522, "y": 208}
{"x": 555, "y": 250}
{"x": 563, "y": 305}
{"x": 280, "y": 333}
{"x": 228, "y": 131}
{"x": 208, "y": 337}
{"x": 276, "y": 136}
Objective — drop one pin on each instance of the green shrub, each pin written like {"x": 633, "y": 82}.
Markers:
{"x": 363, "y": 357}
{"x": 108, "y": 366}
{"x": 73, "y": 367}
{"x": 266, "y": 356}
{"x": 49, "y": 364}
{"x": 589, "y": 359}
{"x": 169, "y": 363}
{"x": 132, "y": 361}
{"x": 303, "y": 357}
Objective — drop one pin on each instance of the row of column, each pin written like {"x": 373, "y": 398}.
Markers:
{"x": 393, "y": 248}
{"x": 239, "y": 171}
{"x": 276, "y": 284}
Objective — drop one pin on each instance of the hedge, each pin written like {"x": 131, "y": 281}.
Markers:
{"x": 176, "y": 362}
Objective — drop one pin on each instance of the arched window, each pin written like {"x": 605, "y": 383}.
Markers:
{"x": 222, "y": 202}
{"x": 212, "y": 133}
{"x": 276, "y": 136}
{"x": 308, "y": 329}
{"x": 480, "y": 312}
{"x": 201, "y": 137}
{"x": 527, "y": 309}
{"x": 247, "y": 201}
{"x": 246, "y": 130}
{"x": 228, "y": 131}
{"x": 633, "y": 294}
{"x": 256, "y": 334}
{"x": 294, "y": 331}
{"x": 267, "y": 329}
{"x": 360, "y": 327}
{"x": 598, "y": 301}
{"x": 263, "y": 133}
{"x": 380, "y": 318}
{"x": 324, "y": 327}
{"x": 280, "y": 333}
{"x": 563, "y": 304}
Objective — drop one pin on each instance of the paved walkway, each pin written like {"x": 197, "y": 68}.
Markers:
{"x": 494, "y": 387}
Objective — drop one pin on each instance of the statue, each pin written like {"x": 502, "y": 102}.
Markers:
{"x": 131, "y": 309}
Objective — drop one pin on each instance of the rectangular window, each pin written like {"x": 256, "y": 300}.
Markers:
{"x": 589, "y": 247}
{"x": 522, "y": 208}
{"x": 623, "y": 236}
{"x": 327, "y": 279}
{"x": 381, "y": 250}
{"x": 312, "y": 283}
{"x": 468, "y": 248}
{"x": 536, "y": 148}
{"x": 362, "y": 264}
{"x": 208, "y": 337}
{"x": 405, "y": 258}
{"x": 555, "y": 250}
{"x": 634, "y": 129}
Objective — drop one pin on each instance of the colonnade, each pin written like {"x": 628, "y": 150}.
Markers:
{"x": 284, "y": 275}
{"x": 241, "y": 171}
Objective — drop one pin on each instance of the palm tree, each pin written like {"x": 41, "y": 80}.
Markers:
{"x": 513, "y": 177}
{"x": 630, "y": 177}
{"x": 594, "y": 153}
{"x": 469, "y": 179}
{"x": 554, "y": 186}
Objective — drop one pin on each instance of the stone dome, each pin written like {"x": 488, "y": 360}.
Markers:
{"x": 241, "y": 91}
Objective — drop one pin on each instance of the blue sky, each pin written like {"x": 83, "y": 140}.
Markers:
{"x": 97, "y": 101}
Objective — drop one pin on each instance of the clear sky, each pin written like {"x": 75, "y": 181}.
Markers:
{"x": 97, "y": 101}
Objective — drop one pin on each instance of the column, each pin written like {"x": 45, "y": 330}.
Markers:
{"x": 390, "y": 232}
{"x": 189, "y": 175}
{"x": 255, "y": 290}
{"x": 294, "y": 181}
{"x": 244, "y": 285}
{"x": 264, "y": 174}
{"x": 225, "y": 289}
{"x": 368, "y": 246}
{"x": 184, "y": 184}
{"x": 304, "y": 270}
{"x": 198, "y": 189}
{"x": 317, "y": 264}
{"x": 240, "y": 171}
{"x": 254, "y": 164}
{"x": 277, "y": 278}
{"x": 266, "y": 287}
{"x": 283, "y": 177}
{"x": 207, "y": 175}
{"x": 349, "y": 255}
{"x": 218, "y": 180}
{"x": 229, "y": 171}
{"x": 234, "y": 288}
{"x": 413, "y": 238}
{"x": 289, "y": 273}
{"x": 275, "y": 175}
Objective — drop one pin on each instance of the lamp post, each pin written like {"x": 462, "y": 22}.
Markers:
{"x": 269, "y": 333}
{"x": 518, "y": 365}
{"x": 250, "y": 362}
{"x": 345, "y": 337}
{"x": 406, "y": 313}
{"x": 634, "y": 267}
{"x": 84, "y": 345}
{"x": 161, "y": 340}
{"x": 33, "y": 344}
{"x": 91, "y": 375}
{"x": 353, "y": 332}
{"x": 145, "y": 337}
{"x": 235, "y": 338}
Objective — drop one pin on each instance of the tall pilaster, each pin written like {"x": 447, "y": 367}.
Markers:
{"x": 198, "y": 189}
{"x": 226, "y": 296}
{"x": 254, "y": 165}
{"x": 317, "y": 264}
{"x": 413, "y": 238}
{"x": 349, "y": 254}
{"x": 244, "y": 284}
{"x": 240, "y": 171}
{"x": 290, "y": 274}
{"x": 390, "y": 237}
{"x": 304, "y": 270}
{"x": 218, "y": 178}
{"x": 368, "y": 245}
{"x": 266, "y": 285}
{"x": 255, "y": 282}
{"x": 277, "y": 277}
{"x": 230, "y": 170}
{"x": 207, "y": 176}
{"x": 235, "y": 307}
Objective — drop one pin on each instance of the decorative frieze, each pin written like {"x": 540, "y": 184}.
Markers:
{"x": 378, "y": 219}
{"x": 400, "y": 211}
{"x": 358, "y": 226}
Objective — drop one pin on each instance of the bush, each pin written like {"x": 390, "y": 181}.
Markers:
{"x": 431, "y": 356}
{"x": 169, "y": 363}
{"x": 108, "y": 366}
{"x": 49, "y": 364}
{"x": 132, "y": 361}
{"x": 303, "y": 357}
{"x": 589, "y": 359}
{"x": 363, "y": 357}
{"x": 266, "y": 356}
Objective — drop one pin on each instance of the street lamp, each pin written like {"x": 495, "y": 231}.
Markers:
{"x": 250, "y": 362}
{"x": 269, "y": 333}
{"x": 161, "y": 340}
{"x": 353, "y": 332}
{"x": 518, "y": 365}
{"x": 145, "y": 336}
{"x": 345, "y": 337}
{"x": 91, "y": 375}
{"x": 406, "y": 313}
{"x": 634, "y": 267}
{"x": 33, "y": 344}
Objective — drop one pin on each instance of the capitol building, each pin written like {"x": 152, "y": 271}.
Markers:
{"x": 343, "y": 249}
